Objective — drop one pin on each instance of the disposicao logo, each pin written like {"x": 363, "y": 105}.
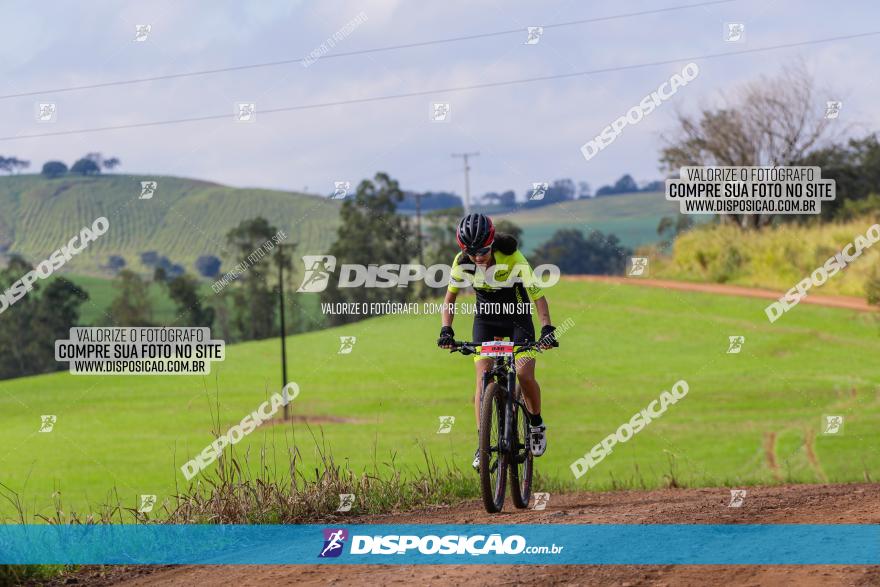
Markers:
{"x": 334, "y": 540}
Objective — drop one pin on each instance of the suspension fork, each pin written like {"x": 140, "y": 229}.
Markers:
{"x": 509, "y": 436}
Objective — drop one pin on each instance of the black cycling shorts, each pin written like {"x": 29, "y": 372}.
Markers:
{"x": 518, "y": 330}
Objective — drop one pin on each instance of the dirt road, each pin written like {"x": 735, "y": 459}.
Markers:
{"x": 847, "y": 302}
{"x": 831, "y": 504}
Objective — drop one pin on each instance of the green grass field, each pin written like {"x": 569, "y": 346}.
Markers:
{"x": 627, "y": 345}
{"x": 632, "y": 217}
{"x": 102, "y": 293}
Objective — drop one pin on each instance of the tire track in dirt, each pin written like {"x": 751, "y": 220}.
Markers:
{"x": 770, "y": 455}
{"x": 810, "y": 448}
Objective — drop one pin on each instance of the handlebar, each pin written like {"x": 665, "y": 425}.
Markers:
{"x": 470, "y": 348}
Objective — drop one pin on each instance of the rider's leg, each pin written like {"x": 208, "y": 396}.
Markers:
{"x": 524, "y": 330}
{"x": 532, "y": 395}
{"x": 525, "y": 375}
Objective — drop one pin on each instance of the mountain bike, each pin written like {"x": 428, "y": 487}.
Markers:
{"x": 504, "y": 425}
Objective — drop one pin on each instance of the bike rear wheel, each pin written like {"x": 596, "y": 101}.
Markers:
{"x": 493, "y": 461}
{"x": 521, "y": 465}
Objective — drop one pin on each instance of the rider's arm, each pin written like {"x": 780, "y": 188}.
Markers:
{"x": 536, "y": 293}
{"x": 543, "y": 311}
{"x": 455, "y": 276}
{"x": 446, "y": 313}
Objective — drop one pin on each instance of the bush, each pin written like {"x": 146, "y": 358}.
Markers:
{"x": 149, "y": 258}
{"x": 85, "y": 167}
{"x": 596, "y": 254}
{"x": 115, "y": 262}
{"x": 776, "y": 258}
{"x": 53, "y": 169}
{"x": 872, "y": 287}
{"x": 208, "y": 265}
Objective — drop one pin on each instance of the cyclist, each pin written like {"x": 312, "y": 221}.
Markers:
{"x": 512, "y": 283}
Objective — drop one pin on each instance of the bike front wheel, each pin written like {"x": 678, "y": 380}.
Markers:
{"x": 521, "y": 465}
{"x": 493, "y": 460}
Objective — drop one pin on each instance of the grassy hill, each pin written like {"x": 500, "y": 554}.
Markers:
{"x": 632, "y": 217}
{"x": 382, "y": 403}
{"x": 185, "y": 219}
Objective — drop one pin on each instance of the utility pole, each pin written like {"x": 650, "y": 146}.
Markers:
{"x": 419, "y": 227}
{"x": 467, "y": 185}
{"x": 284, "y": 381}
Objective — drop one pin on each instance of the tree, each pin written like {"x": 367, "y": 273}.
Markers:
{"x": 160, "y": 275}
{"x": 503, "y": 200}
{"x": 85, "y": 167}
{"x": 208, "y": 265}
{"x": 254, "y": 304}
{"x": 111, "y": 163}
{"x": 440, "y": 244}
{"x": 562, "y": 189}
{"x": 184, "y": 291}
{"x": 625, "y": 185}
{"x": 491, "y": 198}
{"x": 45, "y": 314}
{"x": 15, "y": 360}
{"x": 115, "y": 263}
{"x": 584, "y": 190}
{"x": 57, "y": 311}
{"x": 157, "y": 261}
{"x": 770, "y": 122}
{"x": 371, "y": 233}
{"x": 855, "y": 168}
{"x": 573, "y": 254}
{"x": 669, "y": 228}
{"x": 654, "y": 186}
{"x": 131, "y": 306}
{"x": 507, "y": 227}
{"x": 53, "y": 169}
{"x": 507, "y": 199}
{"x": 150, "y": 258}
{"x": 13, "y": 164}
{"x": 175, "y": 270}
{"x": 430, "y": 201}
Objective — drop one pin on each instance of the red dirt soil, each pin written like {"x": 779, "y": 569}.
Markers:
{"x": 847, "y": 302}
{"x": 805, "y": 504}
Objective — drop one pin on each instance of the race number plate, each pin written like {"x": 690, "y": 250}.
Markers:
{"x": 496, "y": 348}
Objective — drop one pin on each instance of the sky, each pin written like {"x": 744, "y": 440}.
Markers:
{"x": 524, "y": 133}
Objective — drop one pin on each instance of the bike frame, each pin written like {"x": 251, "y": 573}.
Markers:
{"x": 504, "y": 369}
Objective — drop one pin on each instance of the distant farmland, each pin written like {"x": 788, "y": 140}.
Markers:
{"x": 633, "y": 218}
{"x": 185, "y": 219}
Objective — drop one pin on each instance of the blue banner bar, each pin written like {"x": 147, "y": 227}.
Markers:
{"x": 619, "y": 544}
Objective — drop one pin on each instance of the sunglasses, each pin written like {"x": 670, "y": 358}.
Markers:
{"x": 479, "y": 252}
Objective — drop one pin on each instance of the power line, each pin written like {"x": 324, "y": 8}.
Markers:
{"x": 441, "y": 90}
{"x": 350, "y": 53}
